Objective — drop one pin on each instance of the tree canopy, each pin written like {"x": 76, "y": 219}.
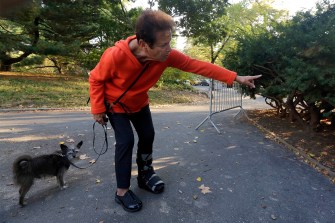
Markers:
{"x": 201, "y": 21}
{"x": 63, "y": 31}
{"x": 296, "y": 59}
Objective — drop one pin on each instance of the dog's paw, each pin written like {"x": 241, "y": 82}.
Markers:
{"x": 22, "y": 204}
{"x": 64, "y": 187}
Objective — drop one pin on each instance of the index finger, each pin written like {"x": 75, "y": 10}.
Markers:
{"x": 255, "y": 77}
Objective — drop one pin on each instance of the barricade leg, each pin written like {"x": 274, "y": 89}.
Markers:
{"x": 223, "y": 98}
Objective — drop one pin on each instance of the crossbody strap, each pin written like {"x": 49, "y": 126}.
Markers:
{"x": 129, "y": 87}
{"x": 132, "y": 84}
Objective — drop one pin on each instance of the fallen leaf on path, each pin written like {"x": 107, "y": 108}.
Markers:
{"x": 324, "y": 153}
{"x": 83, "y": 157}
{"x": 204, "y": 189}
{"x": 311, "y": 155}
{"x": 199, "y": 179}
{"x": 273, "y": 217}
{"x": 92, "y": 161}
{"x": 97, "y": 181}
{"x": 70, "y": 140}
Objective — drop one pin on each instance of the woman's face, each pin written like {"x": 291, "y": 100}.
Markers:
{"x": 161, "y": 49}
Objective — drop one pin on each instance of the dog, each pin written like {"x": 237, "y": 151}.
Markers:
{"x": 27, "y": 168}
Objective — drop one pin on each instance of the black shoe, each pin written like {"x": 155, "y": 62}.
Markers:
{"x": 129, "y": 201}
{"x": 148, "y": 180}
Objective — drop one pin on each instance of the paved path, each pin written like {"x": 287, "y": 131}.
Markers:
{"x": 251, "y": 178}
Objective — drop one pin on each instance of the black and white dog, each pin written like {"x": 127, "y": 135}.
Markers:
{"x": 26, "y": 168}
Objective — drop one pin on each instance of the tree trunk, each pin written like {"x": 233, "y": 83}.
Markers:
{"x": 278, "y": 104}
{"x": 294, "y": 115}
{"x": 315, "y": 117}
{"x": 5, "y": 67}
{"x": 56, "y": 64}
{"x": 332, "y": 120}
{"x": 6, "y": 64}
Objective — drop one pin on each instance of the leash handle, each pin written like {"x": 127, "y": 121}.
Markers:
{"x": 102, "y": 152}
{"x": 103, "y": 149}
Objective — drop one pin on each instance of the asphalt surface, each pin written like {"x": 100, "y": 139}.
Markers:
{"x": 251, "y": 178}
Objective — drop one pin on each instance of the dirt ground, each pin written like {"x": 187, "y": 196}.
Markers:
{"x": 319, "y": 146}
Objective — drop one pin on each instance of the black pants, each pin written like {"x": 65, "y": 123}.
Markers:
{"x": 124, "y": 138}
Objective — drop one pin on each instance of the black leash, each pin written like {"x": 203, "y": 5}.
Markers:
{"x": 103, "y": 150}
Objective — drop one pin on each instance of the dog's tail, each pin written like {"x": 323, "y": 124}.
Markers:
{"x": 22, "y": 168}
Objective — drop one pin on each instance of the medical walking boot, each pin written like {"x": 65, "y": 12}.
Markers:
{"x": 147, "y": 178}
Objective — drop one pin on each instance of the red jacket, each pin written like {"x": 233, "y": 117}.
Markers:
{"x": 118, "y": 67}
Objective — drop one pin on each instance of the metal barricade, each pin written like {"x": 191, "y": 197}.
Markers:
{"x": 223, "y": 97}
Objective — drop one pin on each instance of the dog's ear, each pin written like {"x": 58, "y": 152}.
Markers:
{"x": 79, "y": 144}
{"x": 63, "y": 147}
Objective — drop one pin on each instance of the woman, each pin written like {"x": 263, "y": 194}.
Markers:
{"x": 131, "y": 68}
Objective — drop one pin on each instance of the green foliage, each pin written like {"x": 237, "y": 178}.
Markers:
{"x": 201, "y": 20}
{"x": 115, "y": 23}
{"x": 296, "y": 60}
{"x": 253, "y": 48}
{"x": 31, "y": 60}
{"x": 310, "y": 68}
{"x": 174, "y": 79}
{"x": 77, "y": 31}
{"x": 195, "y": 16}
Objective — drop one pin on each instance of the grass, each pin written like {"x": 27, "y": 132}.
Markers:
{"x": 20, "y": 90}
